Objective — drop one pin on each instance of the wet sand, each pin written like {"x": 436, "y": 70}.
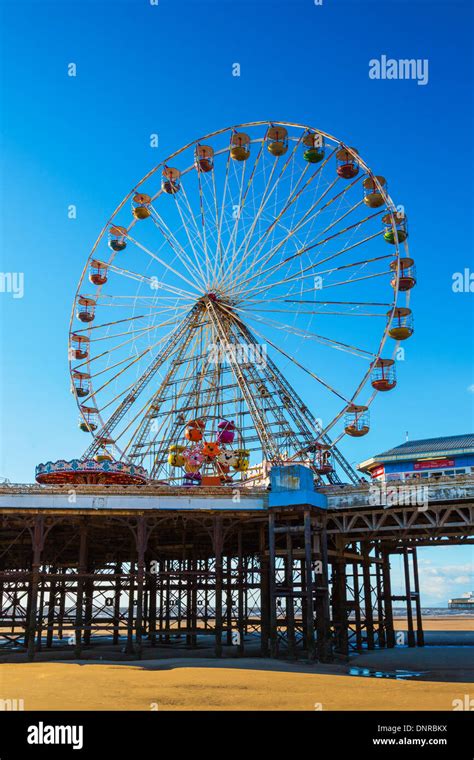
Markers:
{"x": 443, "y": 674}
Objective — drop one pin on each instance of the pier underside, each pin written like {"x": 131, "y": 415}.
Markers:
{"x": 134, "y": 584}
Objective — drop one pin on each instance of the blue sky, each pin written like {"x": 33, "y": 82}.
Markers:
{"x": 167, "y": 69}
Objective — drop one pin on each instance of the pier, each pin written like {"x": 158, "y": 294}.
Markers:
{"x": 134, "y": 568}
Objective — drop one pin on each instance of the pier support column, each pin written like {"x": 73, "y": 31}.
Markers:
{"x": 62, "y": 603}
{"x": 272, "y": 585}
{"x": 218, "y": 546}
{"x": 242, "y": 581}
{"x": 387, "y": 598}
{"x": 38, "y": 542}
{"x": 81, "y": 571}
{"x": 406, "y": 566}
{"x": 369, "y": 614}
{"x": 309, "y": 587}
{"x": 357, "y": 594}
{"x": 264, "y": 595}
{"x": 381, "y": 637}
{"x": 88, "y": 604}
{"x": 51, "y": 606}
{"x": 324, "y": 639}
{"x": 117, "y": 591}
{"x": 141, "y": 541}
{"x": 131, "y": 611}
{"x": 339, "y": 604}
{"x": 420, "y": 638}
{"x": 290, "y": 597}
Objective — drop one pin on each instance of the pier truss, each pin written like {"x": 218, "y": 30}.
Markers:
{"x": 144, "y": 572}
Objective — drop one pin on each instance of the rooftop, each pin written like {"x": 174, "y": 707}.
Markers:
{"x": 425, "y": 447}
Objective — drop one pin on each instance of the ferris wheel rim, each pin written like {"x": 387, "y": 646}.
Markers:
{"x": 389, "y": 206}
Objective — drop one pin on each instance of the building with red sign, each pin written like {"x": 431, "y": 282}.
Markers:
{"x": 427, "y": 458}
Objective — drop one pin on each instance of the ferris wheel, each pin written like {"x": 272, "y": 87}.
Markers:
{"x": 240, "y": 306}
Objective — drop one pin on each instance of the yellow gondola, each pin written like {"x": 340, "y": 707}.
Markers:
{"x": 374, "y": 187}
{"x": 240, "y": 146}
{"x": 277, "y": 141}
{"x": 140, "y": 203}
{"x": 401, "y": 326}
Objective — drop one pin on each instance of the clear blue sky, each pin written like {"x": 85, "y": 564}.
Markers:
{"x": 143, "y": 69}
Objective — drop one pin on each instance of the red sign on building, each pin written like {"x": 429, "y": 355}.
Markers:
{"x": 433, "y": 464}
{"x": 377, "y": 471}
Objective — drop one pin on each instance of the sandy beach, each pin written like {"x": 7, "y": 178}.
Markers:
{"x": 238, "y": 685}
{"x": 376, "y": 680}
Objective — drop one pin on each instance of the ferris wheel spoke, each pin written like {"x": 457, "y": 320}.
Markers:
{"x": 110, "y": 367}
{"x": 349, "y": 303}
{"x": 131, "y": 302}
{"x": 220, "y": 217}
{"x": 238, "y": 213}
{"x": 149, "y": 281}
{"x": 164, "y": 263}
{"x": 319, "y": 302}
{"x": 235, "y": 252}
{"x": 109, "y": 351}
{"x": 294, "y": 361}
{"x": 358, "y": 279}
{"x": 167, "y": 350}
{"x": 145, "y": 351}
{"x": 131, "y": 333}
{"x": 303, "y": 291}
{"x": 175, "y": 245}
{"x": 309, "y": 217}
{"x": 305, "y": 274}
{"x": 294, "y": 196}
{"x": 300, "y": 312}
{"x": 304, "y": 250}
{"x": 356, "y": 351}
{"x": 112, "y": 379}
{"x": 89, "y": 360}
{"x": 197, "y": 257}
